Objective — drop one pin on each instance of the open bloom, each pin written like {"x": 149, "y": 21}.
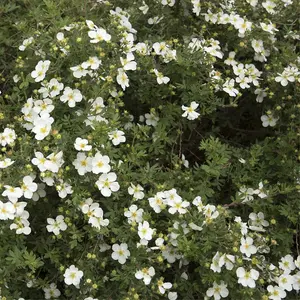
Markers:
{"x": 40, "y": 70}
{"x": 161, "y": 79}
{"x": 117, "y": 137}
{"x": 12, "y": 193}
{"x": 146, "y": 274}
{"x": 218, "y": 291}
{"x": 100, "y": 164}
{"x": 7, "y": 211}
{"x": 82, "y": 144}
{"x": 107, "y": 184}
{"x": 145, "y": 232}
{"x": 73, "y": 275}
{"x": 247, "y": 278}
{"x": 121, "y": 253}
{"x": 56, "y": 225}
{"x": 134, "y": 214}
{"x": 136, "y": 191}
{"x": 28, "y": 187}
{"x": 99, "y": 35}
{"x": 247, "y": 246}
{"x": 276, "y": 292}
{"x": 52, "y": 291}
{"x": 71, "y": 96}
{"x": 190, "y": 111}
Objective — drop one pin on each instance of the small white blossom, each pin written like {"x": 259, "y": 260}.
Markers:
{"x": 107, "y": 184}
{"x": 73, "y": 276}
{"x": 120, "y": 253}
{"x": 56, "y": 225}
{"x": 145, "y": 274}
{"x": 190, "y": 111}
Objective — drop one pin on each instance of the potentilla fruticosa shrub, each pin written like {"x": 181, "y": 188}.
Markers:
{"x": 149, "y": 150}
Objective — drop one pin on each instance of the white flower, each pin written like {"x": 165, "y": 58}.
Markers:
{"x": 40, "y": 193}
{"x": 297, "y": 262}
{"x": 218, "y": 291}
{"x": 276, "y": 292}
{"x": 269, "y": 6}
{"x": 247, "y": 246}
{"x": 198, "y": 203}
{"x": 296, "y": 283}
{"x": 257, "y": 221}
{"x": 157, "y": 202}
{"x": 6, "y": 163}
{"x": 79, "y": 71}
{"x": 151, "y": 119}
{"x": 160, "y": 48}
{"x": 185, "y": 162}
{"x": 54, "y": 161}
{"x": 134, "y": 214}
{"x": 7, "y": 137}
{"x": 163, "y": 286}
{"x": 40, "y": 70}
{"x": 144, "y": 8}
{"x": 56, "y": 225}
{"x": 196, "y": 7}
{"x": 145, "y": 232}
{"x": 64, "y": 189}
{"x": 189, "y": 111}
{"x": 216, "y": 265}
{"x": 107, "y": 184}
{"x": 21, "y": 224}
{"x": 168, "y": 2}
{"x": 26, "y": 43}
{"x": 12, "y": 193}
{"x": 93, "y": 62}
{"x": 82, "y": 163}
{"x": 71, "y": 96}
{"x": 122, "y": 79}
{"x": 82, "y": 144}
{"x": 261, "y": 94}
{"x": 210, "y": 212}
{"x": 55, "y": 87}
{"x": 7, "y": 211}
{"x": 287, "y": 264}
{"x": 43, "y": 106}
{"x": 117, "y": 137}
{"x": 161, "y": 79}
{"x": 146, "y": 274}
{"x": 268, "y": 27}
{"x": 100, "y": 164}
{"x": 121, "y": 253}
{"x": 96, "y": 218}
{"x": 246, "y": 194}
{"x": 227, "y": 260}
{"x": 52, "y": 291}
{"x": 285, "y": 281}
{"x": 42, "y": 126}
{"x": 136, "y": 191}
{"x": 247, "y": 278}
{"x": 28, "y": 187}
{"x": 177, "y": 205}
{"x": 268, "y": 120}
{"x": 99, "y": 35}
{"x": 128, "y": 63}
{"x": 73, "y": 276}
{"x": 228, "y": 87}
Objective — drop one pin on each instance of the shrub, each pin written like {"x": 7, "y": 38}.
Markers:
{"x": 149, "y": 150}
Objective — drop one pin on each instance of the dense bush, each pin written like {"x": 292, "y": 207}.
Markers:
{"x": 149, "y": 149}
